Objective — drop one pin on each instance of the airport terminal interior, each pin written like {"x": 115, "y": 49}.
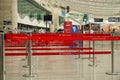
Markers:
{"x": 59, "y": 39}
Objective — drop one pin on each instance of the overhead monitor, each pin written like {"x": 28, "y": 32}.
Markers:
{"x": 98, "y": 19}
{"x": 114, "y": 19}
{"x": 47, "y": 17}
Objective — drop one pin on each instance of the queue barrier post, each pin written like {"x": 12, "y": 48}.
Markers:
{"x": 2, "y": 57}
{"x": 112, "y": 59}
{"x": 29, "y": 58}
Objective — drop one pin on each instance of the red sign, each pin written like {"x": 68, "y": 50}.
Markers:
{"x": 67, "y": 27}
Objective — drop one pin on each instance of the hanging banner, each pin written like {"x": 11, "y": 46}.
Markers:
{"x": 67, "y": 27}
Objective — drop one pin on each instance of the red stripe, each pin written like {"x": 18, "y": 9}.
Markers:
{"x": 61, "y": 48}
{"x": 35, "y": 45}
{"x": 6, "y": 49}
{"x": 59, "y": 44}
{"x": 54, "y": 36}
{"x": 63, "y": 38}
{"x": 69, "y": 34}
{"x": 57, "y": 34}
{"x": 58, "y": 53}
{"x": 49, "y": 48}
{"x": 73, "y": 38}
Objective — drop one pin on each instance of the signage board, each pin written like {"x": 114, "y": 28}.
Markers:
{"x": 98, "y": 19}
{"x": 114, "y": 19}
{"x": 67, "y": 27}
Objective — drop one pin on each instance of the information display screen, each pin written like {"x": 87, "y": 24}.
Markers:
{"x": 114, "y": 19}
{"x": 98, "y": 19}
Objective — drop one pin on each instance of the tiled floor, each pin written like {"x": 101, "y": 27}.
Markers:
{"x": 66, "y": 67}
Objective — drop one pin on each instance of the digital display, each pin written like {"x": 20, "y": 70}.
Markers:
{"x": 47, "y": 17}
{"x": 114, "y": 19}
{"x": 98, "y": 19}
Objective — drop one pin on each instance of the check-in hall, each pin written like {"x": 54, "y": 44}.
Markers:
{"x": 59, "y": 39}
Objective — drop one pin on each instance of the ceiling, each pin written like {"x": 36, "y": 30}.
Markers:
{"x": 98, "y": 8}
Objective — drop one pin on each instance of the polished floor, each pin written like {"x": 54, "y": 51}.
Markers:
{"x": 66, "y": 67}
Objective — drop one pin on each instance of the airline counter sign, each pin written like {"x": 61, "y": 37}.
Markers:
{"x": 67, "y": 27}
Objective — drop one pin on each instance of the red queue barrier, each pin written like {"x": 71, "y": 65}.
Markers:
{"x": 37, "y": 45}
{"x": 68, "y": 34}
{"x": 61, "y": 37}
{"x": 53, "y": 43}
{"x": 51, "y": 35}
{"x": 64, "y": 37}
{"x": 57, "y": 53}
{"x": 49, "y": 49}
{"x": 20, "y": 39}
{"x": 15, "y": 44}
{"x": 97, "y": 38}
{"x": 23, "y": 44}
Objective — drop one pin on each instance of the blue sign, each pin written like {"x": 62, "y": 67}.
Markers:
{"x": 75, "y": 29}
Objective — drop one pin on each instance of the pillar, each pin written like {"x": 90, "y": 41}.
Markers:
{"x": 55, "y": 16}
{"x": 8, "y": 12}
{"x": 14, "y": 14}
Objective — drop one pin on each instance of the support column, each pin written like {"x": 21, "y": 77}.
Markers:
{"x": 8, "y": 12}
{"x": 14, "y": 14}
{"x": 5, "y": 12}
{"x": 55, "y": 15}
